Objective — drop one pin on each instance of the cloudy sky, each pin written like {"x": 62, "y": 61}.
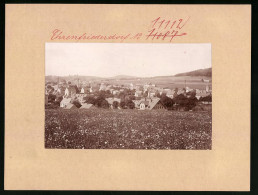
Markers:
{"x": 112, "y": 59}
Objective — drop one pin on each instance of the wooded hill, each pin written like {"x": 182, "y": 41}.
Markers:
{"x": 201, "y": 72}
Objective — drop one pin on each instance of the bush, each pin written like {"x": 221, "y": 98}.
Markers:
{"x": 167, "y": 102}
{"x": 104, "y": 104}
{"x": 122, "y": 104}
{"x": 131, "y": 105}
{"x": 90, "y": 100}
{"x": 76, "y": 103}
{"x": 115, "y": 104}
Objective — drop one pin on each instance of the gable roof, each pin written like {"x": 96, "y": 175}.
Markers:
{"x": 148, "y": 102}
{"x": 86, "y": 106}
{"x": 69, "y": 106}
{"x": 153, "y": 102}
{"x": 66, "y": 100}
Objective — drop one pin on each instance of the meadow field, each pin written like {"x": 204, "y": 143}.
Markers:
{"x": 127, "y": 129}
{"x": 172, "y": 82}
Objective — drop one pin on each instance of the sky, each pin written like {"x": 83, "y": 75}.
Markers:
{"x": 132, "y": 59}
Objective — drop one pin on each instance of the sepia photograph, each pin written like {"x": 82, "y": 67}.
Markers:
{"x": 128, "y": 96}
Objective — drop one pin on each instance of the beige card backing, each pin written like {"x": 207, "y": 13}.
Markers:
{"x": 28, "y": 165}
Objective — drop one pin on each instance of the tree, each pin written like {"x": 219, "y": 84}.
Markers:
{"x": 51, "y": 97}
{"x": 121, "y": 95}
{"x": 192, "y": 102}
{"x": 157, "y": 94}
{"x": 76, "y": 103}
{"x": 187, "y": 103}
{"x": 104, "y": 104}
{"x": 122, "y": 104}
{"x": 181, "y": 100}
{"x": 193, "y": 93}
{"x": 90, "y": 100}
{"x": 175, "y": 94}
{"x": 58, "y": 99}
{"x": 49, "y": 87}
{"x": 167, "y": 102}
{"x": 76, "y": 89}
{"x": 115, "y": 104}
{"x": 145, "y": 94}
{"x": 206, "y": 99}
{"x": 131, "y": 105}
{"x": 131, "y": 97}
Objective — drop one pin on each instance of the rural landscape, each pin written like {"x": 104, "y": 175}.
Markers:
{"x": 97, "y": 113}
{"x": 128, "y": 96}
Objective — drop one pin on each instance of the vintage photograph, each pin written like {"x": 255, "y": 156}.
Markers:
{"x": 128, "y": 96}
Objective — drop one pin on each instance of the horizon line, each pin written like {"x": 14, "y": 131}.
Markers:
{"x": 126, "y": 75}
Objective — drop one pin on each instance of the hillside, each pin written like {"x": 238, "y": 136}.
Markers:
{"x": 71, "y": 78}
{"x": 201, "y": 72}
{"x": 122, "y": 77}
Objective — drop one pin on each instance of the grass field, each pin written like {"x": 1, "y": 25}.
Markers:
{"x": 168, "y": 82}
{"x": 127, "y": 129}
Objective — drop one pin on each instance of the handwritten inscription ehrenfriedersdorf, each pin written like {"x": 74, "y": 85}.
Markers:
{"x": 159, "y": 29}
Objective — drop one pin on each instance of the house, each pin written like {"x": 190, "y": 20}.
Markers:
{"x": 50, "y": 90}
{"x": 166, "y": 89}
{"x": 112, "y": 100}
{"x": 151, "y": 93}
{"x": 61, "y": 90}
{"x": 136, "y": 103}
{"x": 70, "y": 91}
{"x": 55, "y": 87}
{"x": 156, "y": 104}
{"x": 65, "y": 102}
{"x": 115, "y": 92}
{"x": 199, "y": 95}
{"x": 84, "y": 90}
{"x": 70, "y": 106}
{"x": 131, "y": 86}
{"x": 151, "y": 104}
{"x": 170, "y": 94}
{"x": 80, "y": 97}
{"x": 108, "y": 88}
{"x": 207, "y": 89}
{"x": 205, "y": 80}
{"x": 94, "y": 88}
{"x": 187, "y": 89}
{"x": 138, "y": 87}
{"x": 138, "y": 94}
{"x": 181, "y": 91}
{"x": 102, "y": 87}
{"x": 87, "y": 106}
{"x": 144, "y": 105}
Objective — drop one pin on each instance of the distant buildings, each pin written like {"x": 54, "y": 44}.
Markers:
{"x": 146, "y": 96}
